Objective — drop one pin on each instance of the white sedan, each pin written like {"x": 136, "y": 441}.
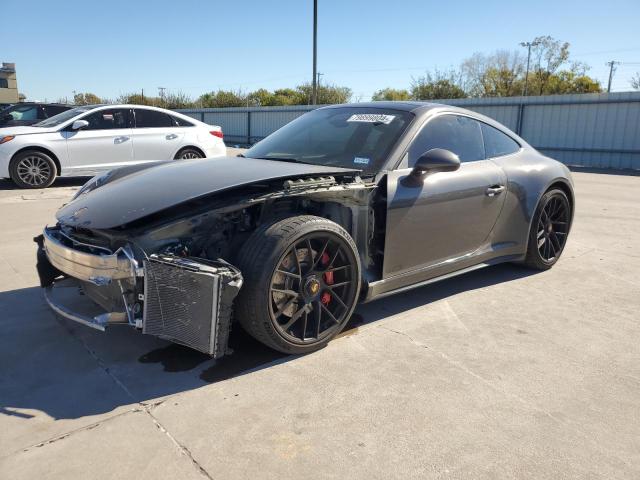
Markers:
{"x": 89, "y": 139}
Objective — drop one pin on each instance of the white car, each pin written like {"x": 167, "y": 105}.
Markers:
{"x": 93, "y": 138}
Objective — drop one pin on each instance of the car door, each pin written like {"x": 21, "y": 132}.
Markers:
{"x": 156, "y": 136}
{"x": 103, "y": 144}
{"x": 450, "y": 215}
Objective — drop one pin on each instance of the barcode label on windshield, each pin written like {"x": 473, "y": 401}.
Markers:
{"x": 371, "y": 118}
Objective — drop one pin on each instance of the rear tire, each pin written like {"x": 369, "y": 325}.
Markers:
{"x": 549, "y": 230}
{"x": 188, "y": 153}
{"x": 301, "y": 283}
{"x": 32, "y": 169}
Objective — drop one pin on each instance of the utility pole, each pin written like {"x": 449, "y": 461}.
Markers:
{"x": 612, "y": 68}
{"x": 161, "y": 93}
{"x": 318, "y": 75}
{"x": 142, "y": 95}
{"x": 314, "y": 99}
{"x": 526, "y": 76}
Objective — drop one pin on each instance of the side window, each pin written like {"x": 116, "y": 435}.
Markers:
{"x": 461, "y": 135}
{"x": 152, "y": 119}
{"x": 27, "y": 112}
{"x": 108, "y": 119}
{"x": 497, "y": 143}
{"x": 179, "y": 122}
{"x": 52, "y": 110}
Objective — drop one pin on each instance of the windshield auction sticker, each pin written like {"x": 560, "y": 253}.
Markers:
{"x": 371, "y": 118}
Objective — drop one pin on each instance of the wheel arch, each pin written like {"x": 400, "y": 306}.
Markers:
{"x": 561, "y": 184}
{"x": 40, "y": 149}
{"x": 187, "y": 147}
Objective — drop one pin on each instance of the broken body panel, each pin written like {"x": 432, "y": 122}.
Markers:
{"x": 155, "y": 271}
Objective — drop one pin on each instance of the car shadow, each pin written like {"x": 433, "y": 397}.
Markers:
{"x": 6, "y": 184}
{"x": 70, "y": 371}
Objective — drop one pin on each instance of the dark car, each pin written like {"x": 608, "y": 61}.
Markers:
{"x": 347, "y": 203}
{"x": 29, "y": 113}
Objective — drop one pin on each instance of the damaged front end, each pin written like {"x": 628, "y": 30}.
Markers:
{"x": 183, "y": 299}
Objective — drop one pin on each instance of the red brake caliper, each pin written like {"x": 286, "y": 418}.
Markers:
{"x": 328, "y": 279}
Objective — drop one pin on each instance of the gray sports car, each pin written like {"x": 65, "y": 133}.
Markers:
{"x": 346, "y": 204}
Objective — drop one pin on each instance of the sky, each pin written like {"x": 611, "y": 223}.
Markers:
{"x": 113, "y": 47}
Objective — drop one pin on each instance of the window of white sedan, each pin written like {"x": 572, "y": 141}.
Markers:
{"x": 152, "y": 119}
{"x": 108, "y": 119}
{"x": 63, "y": 117}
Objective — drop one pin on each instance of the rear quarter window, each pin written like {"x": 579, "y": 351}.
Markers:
{"x": 496, "y": 143}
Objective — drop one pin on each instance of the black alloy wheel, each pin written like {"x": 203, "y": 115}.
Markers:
{"x": 549, "y": 230}
{"x": 301, "y": 283}
{"x": 312, "y": 289}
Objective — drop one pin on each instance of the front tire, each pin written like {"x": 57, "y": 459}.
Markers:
{"x": 549, "y": 230}
{"x": 301, "y": 283}
{"x": 32, "y": 169}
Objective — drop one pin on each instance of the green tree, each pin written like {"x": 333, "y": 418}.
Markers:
{"x": 285, "y": 96}
{"x": 86, "y": 99}
{"x": 138, "y": 99}
{"x": 261, "y": 98}
{"x": 327, "y": 94}
{"x": 566, "y": 81}
{"x": 391, "y": 94}
{"x": 222, "y": 98}
{"x": 176, "y": 100}
{"x": 437, "y": 85}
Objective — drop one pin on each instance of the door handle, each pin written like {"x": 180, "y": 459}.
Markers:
{"x": 495, "y": 190}
{"x": 171, "y": 136}
{"x": 119, "y": 140}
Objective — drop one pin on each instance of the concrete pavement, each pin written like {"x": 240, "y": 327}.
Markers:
{"x": 502, "y": 373}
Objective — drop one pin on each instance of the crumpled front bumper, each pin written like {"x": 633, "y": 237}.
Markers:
{"x": 184, "y": 300}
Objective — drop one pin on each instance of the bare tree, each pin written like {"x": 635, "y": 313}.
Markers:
{"x": 548, "y": 56}
{"x": 635, "y": 81}
{"x": 496, "y": 75}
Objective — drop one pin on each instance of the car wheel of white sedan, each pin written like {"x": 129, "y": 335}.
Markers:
{"x": 32, "y": 169}
{"x": 188, "y": 153}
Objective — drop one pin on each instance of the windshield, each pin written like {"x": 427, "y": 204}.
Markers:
{"x": 62, "y": 117}
{"x": 350, "y": 137}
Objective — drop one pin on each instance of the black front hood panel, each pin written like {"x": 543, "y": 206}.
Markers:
{"x": 127, "y": 197}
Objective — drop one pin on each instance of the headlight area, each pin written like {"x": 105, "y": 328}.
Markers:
{"x": 186, "y": 300}
{"x": 93, "y": 183}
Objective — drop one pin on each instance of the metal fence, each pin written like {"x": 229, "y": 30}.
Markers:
{"x": 591, "y": 130}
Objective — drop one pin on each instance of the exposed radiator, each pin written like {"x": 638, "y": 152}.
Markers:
{"x": 189, "y": 301}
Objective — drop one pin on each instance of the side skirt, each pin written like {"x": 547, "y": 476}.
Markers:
{"x": 405, "y": 282}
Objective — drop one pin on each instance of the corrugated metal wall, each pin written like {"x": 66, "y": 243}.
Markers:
{"x": 594, "y": 130}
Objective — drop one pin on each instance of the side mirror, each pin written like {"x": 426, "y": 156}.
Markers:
{"x": 79, "y": 125}
{"x": 7, "y": 118}
{"x": 435, "y": 160}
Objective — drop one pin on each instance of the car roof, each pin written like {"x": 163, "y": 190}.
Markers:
{"x": 404, "y": 105}
{"x": 56, "y": 104}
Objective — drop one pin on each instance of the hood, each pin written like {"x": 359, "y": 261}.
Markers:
{"x": 133, "y": 193}
{"x": 22, "y": 130}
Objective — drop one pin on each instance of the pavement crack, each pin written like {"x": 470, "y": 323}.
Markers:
{"x": 144, "y": 407}
{"x": 411, "y": 339}
{"x": 183, "y": 449}
{"x": 65, "y": 435}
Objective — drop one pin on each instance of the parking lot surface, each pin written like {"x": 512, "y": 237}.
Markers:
{"x": 501, "y": 373}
